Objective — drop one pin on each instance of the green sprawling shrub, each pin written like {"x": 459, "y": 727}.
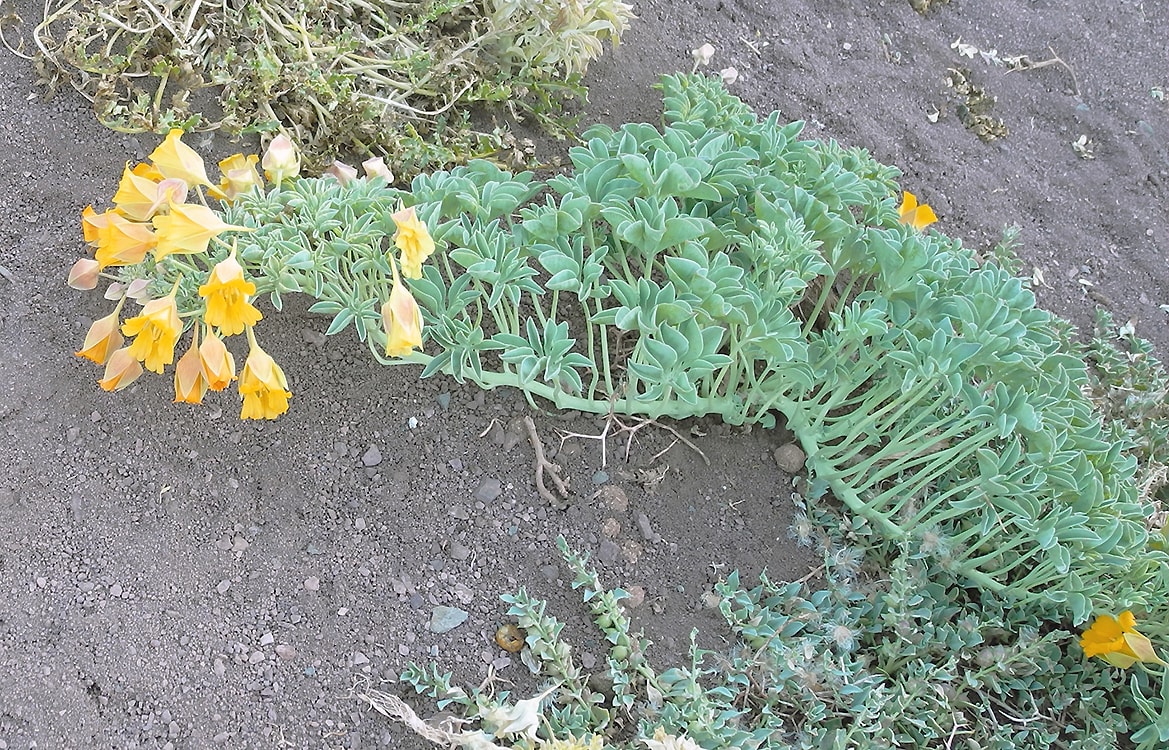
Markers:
{"x": 721, "y": 265}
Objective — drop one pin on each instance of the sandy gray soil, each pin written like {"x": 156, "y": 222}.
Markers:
{"x": 172, "y": 577}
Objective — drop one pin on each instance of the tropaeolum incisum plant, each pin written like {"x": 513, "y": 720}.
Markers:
{"x": 178, "y": 259}
{"x": 716, "y": 265}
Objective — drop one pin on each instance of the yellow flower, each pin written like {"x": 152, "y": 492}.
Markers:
{"x": 218, "y": 364}
{"x": 188, "y": 229}
{"x": 916, "y": 216}
{"x": 262, "y": 385}
{"x": 281, "y": 161}
{"x": 155, "y": 331}
{"x": 149, "y": 171}
{"x": 103, "y": 338}
{"x": 239, "y": 176}
{"x": 92, "y": 223}
{"x": 121, "y": 242}
{"x": 403, "y": 322}
{"x": 173, "y": 158}
{"x": 122, "y": 370}
{"x": 226, "y": 292}
{"x": 414, "y": 240}
{"x": 1116, "y": 641}
{"x": 190, "y": 379}
{"x": 137, "y": 197}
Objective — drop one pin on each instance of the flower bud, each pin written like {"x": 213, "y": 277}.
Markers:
{"x": 281, "y": 161}
{"x": 341, "y": 172}
{"x": 376, "y": 167}
{"x": 84, "y": 274}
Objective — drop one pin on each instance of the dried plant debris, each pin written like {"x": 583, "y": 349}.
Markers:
{"x": 392, "y": 79}
{"x": 925, "y": 6}
{"x": 973, "y": 106}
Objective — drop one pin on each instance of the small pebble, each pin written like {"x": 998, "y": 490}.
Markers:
{"x": 444, "y": 619}
{"x": 489, "y": 489}
{"x": 286, "y": 652}
{"x": 643, "y": 525}
{"x": 312, "y": 583}
{"x": 372, "y": 457}
{"x": 223, "y": 586}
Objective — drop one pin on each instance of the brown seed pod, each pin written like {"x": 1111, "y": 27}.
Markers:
{"x": 510, "y": 638}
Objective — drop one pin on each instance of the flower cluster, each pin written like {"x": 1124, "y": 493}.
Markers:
{"x": 153, "y": 238}
{"x": 149, "y": 224}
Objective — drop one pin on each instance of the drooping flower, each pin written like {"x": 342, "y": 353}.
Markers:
{"x": 155, "y": 331}
{"x": 728, "y": 75}
{"x": 1116, "y": 641}
{"x": 281, "y": 160}
{"x": 703, "y": 55}
{"x": 84, "y": 273}
{"x": 218, "y": 364}
{"x": 122, "y": 369}
{"x": 402, "y": 319}
{"x": 103, "y": 338}
{"x": 916, "y": 216}
{"x": 239, "y": 176}
{"x": 663, "y": 741}
{"x": 190, "y": 379}
{"x": 227, "y": 292}
{"x": 188, "y": 228}
{"x": 173, "y": 158}
{"x": 121, "y": 242}
{"x": 414, "y": 240}
{"x": 262, "y": 385}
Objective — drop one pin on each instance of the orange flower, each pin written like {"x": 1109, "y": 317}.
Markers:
{"x": 218, "y": 364}
{"x": 1116, "y": 641}
{"x": 173, "y": 158}
{"x": 103, "y": 338}
{"x": 262, "y": 385}
{"x": 227, "y": 292}
{"x": 188, "y": 229}
{"x": 123, "y": 243}
{"x": 918, "y": 217}
{"x": 122, "y": 370}
{"x": 190, "y": 379}
{"x": 155, "y": 331}
{"x": 414, "y": 240}
{"x": 403, "y": 322}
